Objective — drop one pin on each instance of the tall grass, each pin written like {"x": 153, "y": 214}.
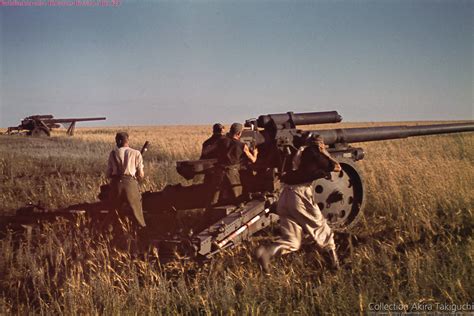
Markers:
{"x": 414, "y": 243}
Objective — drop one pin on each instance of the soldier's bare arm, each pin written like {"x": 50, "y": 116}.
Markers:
{"x": 252, "y": 156}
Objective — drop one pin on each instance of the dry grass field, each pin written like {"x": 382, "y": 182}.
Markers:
{"x": 413, "y": 245}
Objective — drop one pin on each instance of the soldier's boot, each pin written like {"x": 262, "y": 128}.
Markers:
{"x": 333, "y": 259}
{"x": 264, "y": 256}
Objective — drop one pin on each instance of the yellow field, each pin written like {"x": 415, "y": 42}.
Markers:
{"x": 414, "y": 243}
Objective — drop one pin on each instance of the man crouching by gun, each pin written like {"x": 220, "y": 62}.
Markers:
{"x": 125, "y": 168}
{"x": 298, "y": 212}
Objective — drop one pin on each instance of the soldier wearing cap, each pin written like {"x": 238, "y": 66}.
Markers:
{"x": 125, "y": 166}
{"x": 299, "y": 214}
{"x": 209, "y": 147}
{"x": 230, "y": 151}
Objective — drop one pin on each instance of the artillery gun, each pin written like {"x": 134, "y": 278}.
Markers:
{"x": 180, "y": 221}
{"x": 340, "y": 197}
{"x": 41, "y": 125}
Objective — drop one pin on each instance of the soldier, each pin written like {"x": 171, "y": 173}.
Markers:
{"x": 210, "y": 145}
{"x": 229, "y": 153}
{"x": 125, "y": 166}
{"x": 297, "y": 209}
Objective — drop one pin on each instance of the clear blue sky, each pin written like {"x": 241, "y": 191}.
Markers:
{"x": 148, "y": 63}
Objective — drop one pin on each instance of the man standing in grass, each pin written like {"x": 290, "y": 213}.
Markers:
{"x": 125, "y": 167}
{"x": 299, "y": 214}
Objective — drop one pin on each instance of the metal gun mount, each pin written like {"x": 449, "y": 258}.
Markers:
{"x": 41, "y": 125}
{"x": 181, "y": 221}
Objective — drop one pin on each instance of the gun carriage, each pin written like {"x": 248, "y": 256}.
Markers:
{"x": 41, "y": 125}
{"x": 180, "y": 220}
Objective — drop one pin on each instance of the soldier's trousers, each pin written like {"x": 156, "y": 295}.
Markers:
{"x": 226, "y": 185}
{"x": 125, "y": 197}
{"x": 125, "y": 216}
{"x": 300, "y": 214}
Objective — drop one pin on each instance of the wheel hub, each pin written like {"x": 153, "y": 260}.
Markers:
{"x": 340, "y": 198}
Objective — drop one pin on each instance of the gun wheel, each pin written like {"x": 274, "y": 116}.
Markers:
{"x": 39, "y": 132}
{"x": 340, "y": 198}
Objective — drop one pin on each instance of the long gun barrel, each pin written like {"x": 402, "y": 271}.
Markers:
{"x": 70, "y": 120}
{"x": 368, "y": 134}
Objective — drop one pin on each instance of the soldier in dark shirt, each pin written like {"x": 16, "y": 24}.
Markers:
{"x": 209, "y": 147}
{"x": 297, "y": 209}
{"x": 230, "y": 151}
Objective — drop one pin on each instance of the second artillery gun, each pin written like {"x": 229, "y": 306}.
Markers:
{"x": 180, "y": 221}
{"x": 41, "y": 125}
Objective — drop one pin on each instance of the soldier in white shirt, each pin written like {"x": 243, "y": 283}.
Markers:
{"x": 125, "y": 166}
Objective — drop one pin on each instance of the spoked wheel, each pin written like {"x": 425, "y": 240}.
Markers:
{"x": 340, "y": 198}
{"x": 39, "y": 132}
